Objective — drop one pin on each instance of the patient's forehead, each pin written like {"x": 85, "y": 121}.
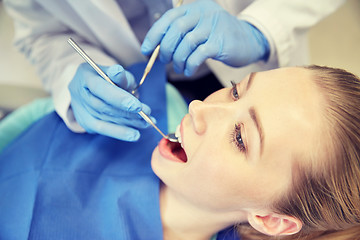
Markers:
{"x": 294, "y": 85}
{"x": 292, "y": 110}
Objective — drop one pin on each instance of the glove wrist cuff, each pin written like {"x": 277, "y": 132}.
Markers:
{"x": 263, "y": 42}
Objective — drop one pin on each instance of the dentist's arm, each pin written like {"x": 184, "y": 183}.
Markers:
{"x": 84, "y": 100}
{"x": 190, "y": 34}
{"x": 42, "y": 38}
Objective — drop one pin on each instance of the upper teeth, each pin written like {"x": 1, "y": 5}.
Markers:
{"x": 178, "y": 134}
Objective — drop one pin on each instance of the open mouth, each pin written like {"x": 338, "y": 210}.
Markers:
{"x": 173, "y": 150}
{"x": 177, "y": 151}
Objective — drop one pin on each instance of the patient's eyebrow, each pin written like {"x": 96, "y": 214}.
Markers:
{"x": 248, "y": 83}
{"x": 254, "y": 116}
{"x": 251, "y": 77}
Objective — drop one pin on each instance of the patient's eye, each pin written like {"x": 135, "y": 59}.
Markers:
{"x": 236, "y": 137}
{"x": 234, "y": 92}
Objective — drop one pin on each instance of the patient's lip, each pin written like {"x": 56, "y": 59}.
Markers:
{"x": 172, "y": 151}
{"x": 182, "y": 132}
{"x": 166, "y": 150}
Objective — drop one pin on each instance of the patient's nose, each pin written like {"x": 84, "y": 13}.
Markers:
{"x": 202, "y": 113}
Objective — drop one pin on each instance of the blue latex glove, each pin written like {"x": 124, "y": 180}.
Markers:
{"x": 191, "y": 33}
{"x": 100, "y": 107}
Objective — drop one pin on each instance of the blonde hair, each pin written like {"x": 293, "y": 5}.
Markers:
{"x": 328, "y": 202}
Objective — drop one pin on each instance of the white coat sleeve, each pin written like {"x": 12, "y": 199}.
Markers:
{"x": 285, "y": 23}
{"x": 43, "y": 40}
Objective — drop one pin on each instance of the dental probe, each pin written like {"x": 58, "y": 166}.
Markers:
{"x": 170, "y": 137}
{"x": 151, "y": 61}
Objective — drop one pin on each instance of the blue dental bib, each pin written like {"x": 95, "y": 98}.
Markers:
{"x": 56, "y": 184}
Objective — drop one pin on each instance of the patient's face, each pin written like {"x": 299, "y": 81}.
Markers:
{"x": 240, "y": 142}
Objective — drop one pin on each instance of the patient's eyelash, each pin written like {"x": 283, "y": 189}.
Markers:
{"x": 234, "y": 92}
{"x": 237, "y": 138}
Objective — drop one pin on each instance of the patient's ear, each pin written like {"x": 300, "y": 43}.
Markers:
{"x": 274, "y": 224}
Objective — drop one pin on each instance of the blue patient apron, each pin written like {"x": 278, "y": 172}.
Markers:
{"x": 56, "y": 184}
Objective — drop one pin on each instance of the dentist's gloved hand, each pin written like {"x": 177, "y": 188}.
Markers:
{"x": 100, "y": 107}
{"x": 191, "y": 33}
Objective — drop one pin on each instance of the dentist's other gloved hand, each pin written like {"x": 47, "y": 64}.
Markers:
{"x": 100, "y": 107}
{"x": 191, "y": 33}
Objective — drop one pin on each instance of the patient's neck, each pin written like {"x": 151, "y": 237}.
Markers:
{"x": 184, "y": 220}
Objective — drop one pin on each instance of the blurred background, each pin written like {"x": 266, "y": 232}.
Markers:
{"x": 335, "y": 41}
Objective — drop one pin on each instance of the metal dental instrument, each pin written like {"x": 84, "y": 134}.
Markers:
{"x": 170, "y": 137}
{"x": 152, "y": 59}
{"x": 148, "y": 67}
